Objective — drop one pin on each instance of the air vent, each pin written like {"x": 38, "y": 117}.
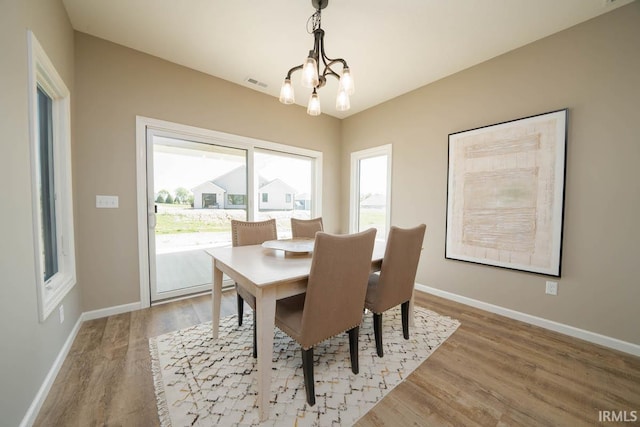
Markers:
{"x": 255, "y": 82}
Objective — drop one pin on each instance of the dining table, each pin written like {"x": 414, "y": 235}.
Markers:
{"x": 269, "y": 272}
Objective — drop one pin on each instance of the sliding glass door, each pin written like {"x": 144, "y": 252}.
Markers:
{"x": 196, "y": 188}
{"x": 192, "y": 182}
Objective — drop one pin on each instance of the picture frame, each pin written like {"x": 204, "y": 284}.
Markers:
{"x": 505, "y": 194}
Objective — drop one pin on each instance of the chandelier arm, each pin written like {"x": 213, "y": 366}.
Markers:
{"x": 329, "y": 70}
{"x": 328, "y": 62}
{"x": 293, "y": 70}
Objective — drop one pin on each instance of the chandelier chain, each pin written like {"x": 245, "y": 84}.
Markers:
{"x": 315, "y": 21}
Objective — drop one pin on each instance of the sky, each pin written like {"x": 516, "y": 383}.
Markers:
{"x": 188, "y": 164}
{"x": 173, "y": 170}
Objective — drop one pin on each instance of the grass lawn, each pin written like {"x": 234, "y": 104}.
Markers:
{"x": 174, "y": 219}
{"x": 177, "y": 219}
{"x": 179, "y": 223}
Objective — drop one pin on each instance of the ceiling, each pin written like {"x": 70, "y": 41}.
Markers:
{"x": 392, "y": 47}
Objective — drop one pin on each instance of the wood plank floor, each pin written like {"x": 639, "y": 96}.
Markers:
{"x": 493, "y": 371}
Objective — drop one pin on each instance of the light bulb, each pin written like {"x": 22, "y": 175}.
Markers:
{"x": 346, "y": 82}
{"x": 313, "y": 109}
{"x": 286, "y": 92}
{"x": 310, "y": 72}
{"x": 342, "y": 101}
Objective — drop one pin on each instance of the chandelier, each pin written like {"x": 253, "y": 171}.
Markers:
{"x": 312, "y": 77}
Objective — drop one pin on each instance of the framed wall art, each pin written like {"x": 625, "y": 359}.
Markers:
{"x": 505, "y": 197}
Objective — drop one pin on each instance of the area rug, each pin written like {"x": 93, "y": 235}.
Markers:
{"x": 204, "y": 382}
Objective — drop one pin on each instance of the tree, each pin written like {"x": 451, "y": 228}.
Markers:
{"x": 168, "y": 199}
{"x": 159, "y": 199}
{"x": 163, "y": 194}
{"x": 182, "y": 195}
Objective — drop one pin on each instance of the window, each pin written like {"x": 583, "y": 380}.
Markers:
{"x": 286, "y": 182}
{"x": 370, "y": 205}
{"x": 209, "y": 200}
{"x": 51, "y": 181}
{"x": 47, "y": 186}
{"x": 237, "y": 199}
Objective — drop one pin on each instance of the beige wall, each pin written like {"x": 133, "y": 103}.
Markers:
{"x": 594, "y": 70}
{"x": 28, "y": 348}
{"x": 115, "y": 84}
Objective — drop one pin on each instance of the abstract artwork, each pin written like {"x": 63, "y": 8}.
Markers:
{"x": 505, "y": 195}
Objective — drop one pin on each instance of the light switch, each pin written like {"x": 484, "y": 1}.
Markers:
{"x": 109, "y": 202}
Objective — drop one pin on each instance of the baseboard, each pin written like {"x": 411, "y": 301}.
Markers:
{"x": 38, "y": 401}
{"x": 562, "y": 328}
{"x": 110, "y": 311}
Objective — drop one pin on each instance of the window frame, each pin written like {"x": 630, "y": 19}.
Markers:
{"x": 43, "y": 74}
{"x": 354, "y": 200}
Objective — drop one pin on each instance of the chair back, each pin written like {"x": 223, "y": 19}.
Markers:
{"x": 306, "y": 227}
{"x": 337, "y": 285}
{"x": 244, "y": 233}
{"x": 399, "y": 267}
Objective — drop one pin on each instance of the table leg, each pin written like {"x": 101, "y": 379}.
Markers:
{"x": 265, "y": 322}
{"x": 216, "y": 297}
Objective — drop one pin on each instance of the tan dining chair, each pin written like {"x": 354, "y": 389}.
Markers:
{"x": 244, "y": 233}
{"x": 334, "y": 300}
{"x": 394, "y": 285}
{"x": 306, "y": 227}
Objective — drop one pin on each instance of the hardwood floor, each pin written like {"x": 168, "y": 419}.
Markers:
{"x": 492, "y": 371}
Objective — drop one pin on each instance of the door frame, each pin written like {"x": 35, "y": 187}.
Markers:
{"x": 208, "y": 136}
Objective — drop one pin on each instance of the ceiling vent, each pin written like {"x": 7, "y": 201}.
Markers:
{"x": 255, "y": 82}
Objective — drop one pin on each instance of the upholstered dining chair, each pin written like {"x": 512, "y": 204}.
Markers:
{"x": 334, "y": 300}
{"x": 306, "y": 227}
{"x": 244, "y": 233}
{"x": 394, "y": 285}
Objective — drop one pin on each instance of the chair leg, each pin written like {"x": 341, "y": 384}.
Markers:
{"x": 307, "y": 369}
{"x": 405, "y": 319}
{"x": 255, "y": 337}
{"x": 377, "y": 331}
{"x": 240, "y": 309}
{"x": 353, "y": 348}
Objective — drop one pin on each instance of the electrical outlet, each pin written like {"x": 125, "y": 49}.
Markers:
{"x": 61, "y": 313}
{"x": 552, "y": 288}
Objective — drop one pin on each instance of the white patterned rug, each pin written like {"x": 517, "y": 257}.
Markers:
{"x": 202, "y": 382}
